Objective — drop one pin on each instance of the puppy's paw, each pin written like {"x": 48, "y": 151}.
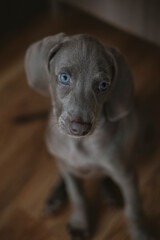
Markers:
{"x": 56, "y": 200}
{"x": 142, "y": 235}
{"x": 143, "y": 238}
{"x": 78, "y": 232}
{"x": 111, "y": 193}
{"x": 53, "y": 206}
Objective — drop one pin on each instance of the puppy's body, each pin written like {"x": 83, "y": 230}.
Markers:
{"x": 93, "y": 126}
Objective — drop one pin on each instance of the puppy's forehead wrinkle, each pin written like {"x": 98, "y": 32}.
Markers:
{"x": 82, "y": 55}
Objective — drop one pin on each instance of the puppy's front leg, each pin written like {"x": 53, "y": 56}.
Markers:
{"x": 78, "y": 225}
{"x": 126, "y": 179}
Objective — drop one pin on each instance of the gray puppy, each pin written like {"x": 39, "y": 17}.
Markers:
{"x": 93, "y": 125}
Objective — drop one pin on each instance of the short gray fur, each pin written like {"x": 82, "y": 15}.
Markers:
{"x": 109, "y": 147}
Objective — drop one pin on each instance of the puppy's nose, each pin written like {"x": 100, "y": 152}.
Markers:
{"x": 79, "y": 128}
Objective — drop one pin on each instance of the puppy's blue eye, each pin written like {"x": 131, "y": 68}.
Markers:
{"x": 103, "y": 86}
{"x": 64, "y": 78}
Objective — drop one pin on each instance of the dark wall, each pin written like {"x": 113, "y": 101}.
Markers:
{"x": 15, "y": 13}
{"x": 140, "y": 17}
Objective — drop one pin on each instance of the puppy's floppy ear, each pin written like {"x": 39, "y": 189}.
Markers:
{"x": 37, "y": 61}
{"x": 120, "y": 99}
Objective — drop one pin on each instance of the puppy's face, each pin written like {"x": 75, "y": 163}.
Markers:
{"x": 82, "y": 76}
{"x": 80, "y": 81}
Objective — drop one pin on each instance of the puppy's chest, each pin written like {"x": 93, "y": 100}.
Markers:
{"x": 82, "y": 157}
{"x": 83, "y": 160}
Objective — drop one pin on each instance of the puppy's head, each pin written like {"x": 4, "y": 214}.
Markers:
{"x": 83, "y": 77}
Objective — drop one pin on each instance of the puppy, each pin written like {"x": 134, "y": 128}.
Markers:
{"x": 93, "y": 125}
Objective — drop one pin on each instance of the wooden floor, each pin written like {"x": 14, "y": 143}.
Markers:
{"x": 28, "y": 172}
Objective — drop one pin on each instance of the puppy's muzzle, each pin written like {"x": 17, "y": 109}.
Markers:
{"x": 79, "y": 128}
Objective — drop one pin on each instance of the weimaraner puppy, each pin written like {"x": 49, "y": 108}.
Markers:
{"x": 93, "y": 125}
